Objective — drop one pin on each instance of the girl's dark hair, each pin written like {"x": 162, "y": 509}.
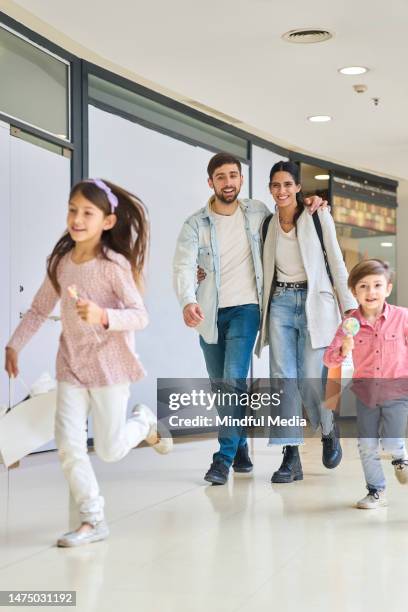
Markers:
{"x": 293, "y": 170}
{"x": 129, "y": 236}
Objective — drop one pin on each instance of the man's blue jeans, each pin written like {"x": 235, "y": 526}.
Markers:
{"x": 227, "y": 366}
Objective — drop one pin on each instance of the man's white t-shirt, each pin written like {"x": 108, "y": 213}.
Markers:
{"x": 238, "y": 285}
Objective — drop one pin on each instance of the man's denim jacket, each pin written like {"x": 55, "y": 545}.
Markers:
{"x": 197, "y": 245}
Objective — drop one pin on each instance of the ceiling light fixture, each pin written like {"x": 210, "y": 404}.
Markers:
{"x": 353, "y": 70}
{"x": 319, "y": 118}
{"x": 386, "y": 244}
{"x": 322, "y": 177}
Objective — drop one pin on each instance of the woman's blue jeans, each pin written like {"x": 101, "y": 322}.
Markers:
{"x": 227, "y": 366}
{"x": 295, "y": 367}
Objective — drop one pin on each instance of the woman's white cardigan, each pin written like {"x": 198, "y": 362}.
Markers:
{"x": 322, "y": 312}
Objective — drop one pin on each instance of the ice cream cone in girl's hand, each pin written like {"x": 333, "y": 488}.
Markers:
{"x": 73, "y": 292}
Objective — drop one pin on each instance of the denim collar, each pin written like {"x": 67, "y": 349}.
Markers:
{"x": 207, "y": 212}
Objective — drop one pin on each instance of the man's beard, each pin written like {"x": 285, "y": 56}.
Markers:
{"x": 230, "y": 199}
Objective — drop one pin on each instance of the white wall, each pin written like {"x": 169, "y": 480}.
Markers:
{"x": 402, "y": 244}
{"x": 170, "y": 177}
{"x": 262, "y": 162}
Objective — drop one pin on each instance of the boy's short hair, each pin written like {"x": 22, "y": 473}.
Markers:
{"x": 367, "y": 267}
{"x": 219, "y": 160}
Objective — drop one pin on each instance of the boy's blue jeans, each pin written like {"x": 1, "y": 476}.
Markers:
{"x": 388, "y": 423}
{"x": 227, "y": 366}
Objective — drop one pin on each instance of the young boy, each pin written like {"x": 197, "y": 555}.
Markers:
{"x": 380, "y": 379}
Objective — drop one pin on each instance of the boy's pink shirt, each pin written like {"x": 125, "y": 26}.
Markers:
{"x": 82, "y": 360}
{"x": 380, "y": 352}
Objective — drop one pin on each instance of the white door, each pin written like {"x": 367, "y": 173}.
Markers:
{"x": 39, "y": 189}
{"x": 5, "y": 298}
{"x": 4, "y": 256}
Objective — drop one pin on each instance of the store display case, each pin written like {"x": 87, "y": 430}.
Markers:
{"x": 365, "y": 214}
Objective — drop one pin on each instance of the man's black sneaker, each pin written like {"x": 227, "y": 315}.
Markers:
{"x": 291, "y": 467}
{"x": 218, "y": 472}
{"x": 332, "y": 452}
{"x": 242, "y": 463}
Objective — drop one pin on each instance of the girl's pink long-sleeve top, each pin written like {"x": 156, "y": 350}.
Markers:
{"x": 82, "y": 360}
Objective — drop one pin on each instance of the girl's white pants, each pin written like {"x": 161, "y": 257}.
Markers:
{"x": 113, "y": 435}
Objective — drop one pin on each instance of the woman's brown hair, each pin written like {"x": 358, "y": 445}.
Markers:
{"x": 129, "y": 236}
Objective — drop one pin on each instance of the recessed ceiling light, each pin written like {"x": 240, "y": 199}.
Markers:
{"x": 322, "y": 177}
{"x": 386, "y": 244}
{"x": 319, "y": 118}
{"x": 353, "y": 70}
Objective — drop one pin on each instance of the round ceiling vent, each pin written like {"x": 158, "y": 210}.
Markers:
{"x": 307, "y": 36}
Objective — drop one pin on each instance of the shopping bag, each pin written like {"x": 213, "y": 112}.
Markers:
{"x": 333, "y": 389}
{"x": 28, "y": 425}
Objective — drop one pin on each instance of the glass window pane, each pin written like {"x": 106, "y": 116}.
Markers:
{"x": 359, "y": 243}
{"x": 164, "y": 117}
{"x": 351, "y": 211}
{"x": 315, "y": 180}
{"x": 34, "y": 85}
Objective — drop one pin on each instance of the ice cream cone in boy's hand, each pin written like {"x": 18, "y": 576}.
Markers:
{"x": 347, "y": 345}
{"x": 351, "y": 327}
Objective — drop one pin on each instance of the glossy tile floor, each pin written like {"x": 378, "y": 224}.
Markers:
{"x": 179, "y": 545}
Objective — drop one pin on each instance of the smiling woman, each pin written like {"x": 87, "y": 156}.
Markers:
{"x": 300, "y": 314}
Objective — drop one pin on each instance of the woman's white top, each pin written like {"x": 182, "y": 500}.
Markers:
{"x": 289, "y": 263}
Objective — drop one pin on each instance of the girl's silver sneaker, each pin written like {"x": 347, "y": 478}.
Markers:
{"x": 165, "y": 443}
{"x": 99, "y": 531}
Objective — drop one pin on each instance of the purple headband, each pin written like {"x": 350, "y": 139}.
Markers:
{"x": 112, "y": 199}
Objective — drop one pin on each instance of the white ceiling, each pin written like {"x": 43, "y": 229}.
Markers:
{"x": 228, "y": 54}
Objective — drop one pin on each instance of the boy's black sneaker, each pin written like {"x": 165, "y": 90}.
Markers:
{"x": 242, "y": 463}
{"x": 218, "y": 472}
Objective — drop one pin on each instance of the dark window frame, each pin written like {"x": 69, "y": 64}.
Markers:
{"x": 74, "y": 144}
